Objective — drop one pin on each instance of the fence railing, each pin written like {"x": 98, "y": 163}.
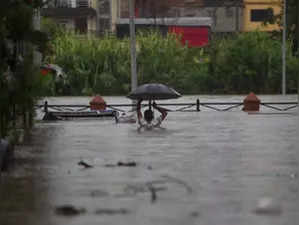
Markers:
{"x": 175, "y": 107}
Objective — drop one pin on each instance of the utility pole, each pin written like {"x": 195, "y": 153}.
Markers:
{"x": 37, "y": 56}
{"x": 297, "y": 29}
{"x": 297, "y": 43}
{"x": 284, "y": 31}
{"x": 133, "y": 45}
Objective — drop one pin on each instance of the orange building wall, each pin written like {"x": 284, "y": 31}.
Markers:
{"x": 260, "y": 4}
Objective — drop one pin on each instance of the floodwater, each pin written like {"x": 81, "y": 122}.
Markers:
{"x": 204, "y": 168}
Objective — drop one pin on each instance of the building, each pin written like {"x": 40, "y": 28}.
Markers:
{"x": 256, "y": 12}
{"x": 226, "y": 14}
{"x": 79, "y": 15}
{"x": 192, "y": 31}
{"x": 100, "y": 16}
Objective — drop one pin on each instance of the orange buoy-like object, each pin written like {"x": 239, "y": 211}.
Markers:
{"x": 251, "y": 103}
{"x": 97, "y": 103}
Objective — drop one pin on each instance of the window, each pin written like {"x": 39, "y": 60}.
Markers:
{"x": 261, "y": 15}
{"x": 83, "y": 3}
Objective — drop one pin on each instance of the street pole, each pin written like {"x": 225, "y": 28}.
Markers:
{"x": 37, "y": 56}
{"x": 297, "y": 44}
{"x": 283, "y": 88}
{"x": 133, "y": 45}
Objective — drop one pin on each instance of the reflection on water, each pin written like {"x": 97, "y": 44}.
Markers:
{"x": 205, "y": 167}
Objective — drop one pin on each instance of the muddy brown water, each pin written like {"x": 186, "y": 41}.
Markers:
{"x": 204, "y": 168}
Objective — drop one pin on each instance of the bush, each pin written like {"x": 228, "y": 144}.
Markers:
{"x": 235, "y": 64}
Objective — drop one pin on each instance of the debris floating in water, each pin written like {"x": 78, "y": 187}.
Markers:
{"x": 84, "y": 164}
{"x": 268, "y": 206}
{"x": 69, "y": 210}
{"x": 153, "y": 192}
{"x": 122, "y": 164}
{"x": 128, "y": 164}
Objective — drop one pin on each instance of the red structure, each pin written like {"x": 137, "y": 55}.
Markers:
{"x": 44, "y": 72}
{"x": 251, "y": 103}
{"x": 97, "y": 103}
{"x": 193, "y": 31}
{"x": 191, "y": 36}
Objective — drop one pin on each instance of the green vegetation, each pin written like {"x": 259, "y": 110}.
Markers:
{"x": 251, "y": 62}
{"x": 20, "y": 80}
{"x": 236, "y": 64}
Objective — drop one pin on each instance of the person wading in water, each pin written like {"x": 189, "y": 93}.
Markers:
{"x": 147, "y": 121}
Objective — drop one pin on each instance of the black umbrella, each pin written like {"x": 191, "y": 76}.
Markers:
{"x": 153, "y": 91}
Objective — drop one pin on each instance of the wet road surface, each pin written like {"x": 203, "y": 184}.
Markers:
{"x": 204, "y": 168}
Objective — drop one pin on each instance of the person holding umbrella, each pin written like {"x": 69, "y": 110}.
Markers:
{"x": 148, "y": 121}
{"x": 150, "y": 92}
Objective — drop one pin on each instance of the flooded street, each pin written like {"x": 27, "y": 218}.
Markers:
{"x": 203, "y": 168}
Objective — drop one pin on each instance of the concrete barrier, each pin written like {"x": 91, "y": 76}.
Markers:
{"x": 98, "y": 103}
{"x": 251, "y": 103}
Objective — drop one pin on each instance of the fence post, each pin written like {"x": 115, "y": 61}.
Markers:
{"x": 24, "y": 118}
{"x": 197, "y": 105}
{"x": 46, "y": 107}
{"x": 1, "y": 125}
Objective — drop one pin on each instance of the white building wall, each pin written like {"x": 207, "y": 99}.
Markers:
{"x": 114, "y": 14}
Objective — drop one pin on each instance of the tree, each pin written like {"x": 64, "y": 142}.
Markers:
{"x": 19, "y": 78}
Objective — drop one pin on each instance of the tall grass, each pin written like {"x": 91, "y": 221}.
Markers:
{"x": 239, "y": 64}
{"x": 102, "y": 65}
